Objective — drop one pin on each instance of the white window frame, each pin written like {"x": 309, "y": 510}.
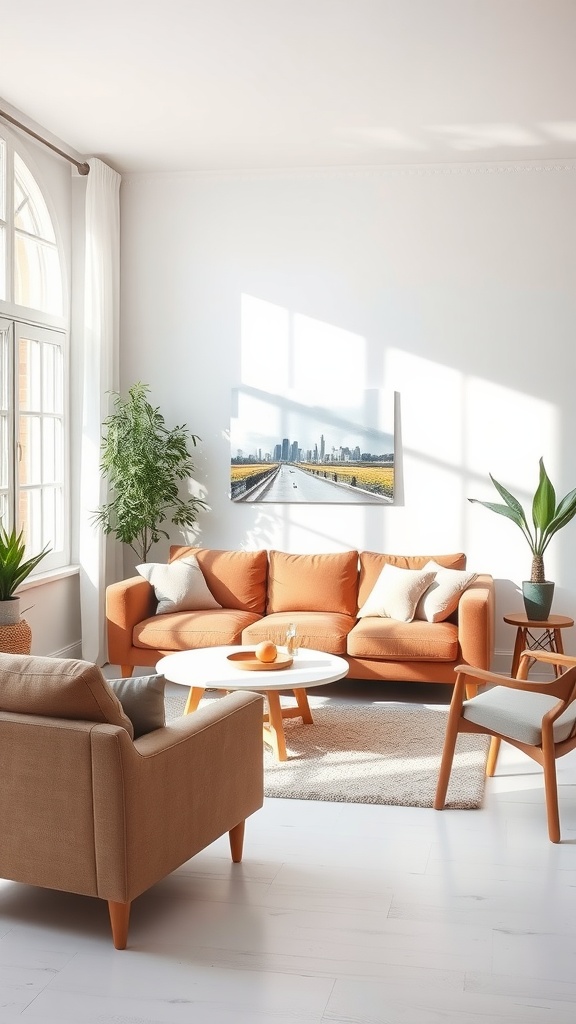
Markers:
{"x": 35, "y": 325}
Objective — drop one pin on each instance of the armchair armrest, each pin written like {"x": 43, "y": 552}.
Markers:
{"x": 127, "y": 603}
{"x": 560, "y": 687}
{"x": 476, "y": 622}
{"x": 161, "y": 799}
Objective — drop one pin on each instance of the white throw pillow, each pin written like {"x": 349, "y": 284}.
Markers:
{"x": 396, "y": 593}
{"x": 443, "y": 594}
{"x": 179, "y": 585}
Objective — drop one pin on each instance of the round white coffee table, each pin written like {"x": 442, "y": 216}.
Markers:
{"x": 209, "y": 668}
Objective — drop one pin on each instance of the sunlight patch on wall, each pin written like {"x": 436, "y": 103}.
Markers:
{"x": 325, "y": 354}
{"x": 506, "y": 433}
{"x": 431, "y": 397}
{"x": 265, "y": 343}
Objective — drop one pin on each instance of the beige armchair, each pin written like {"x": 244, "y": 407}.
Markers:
{"x": 538, "y": 718}
{"x": 87, "y": 809}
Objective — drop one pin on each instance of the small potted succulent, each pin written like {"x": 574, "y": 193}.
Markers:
{"x": 14, "y": 568}
{"x": 547, "y": 518}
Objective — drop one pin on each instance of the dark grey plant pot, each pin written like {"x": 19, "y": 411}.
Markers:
{"x": 537, "y": 600}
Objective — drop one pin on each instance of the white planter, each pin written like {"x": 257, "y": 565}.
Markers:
{"x": 10, "y": 611}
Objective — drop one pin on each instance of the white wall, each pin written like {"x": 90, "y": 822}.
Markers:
{"x": 453, "y": 286}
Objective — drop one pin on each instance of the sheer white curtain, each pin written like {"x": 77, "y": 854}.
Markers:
{"x": 98, "y": 557}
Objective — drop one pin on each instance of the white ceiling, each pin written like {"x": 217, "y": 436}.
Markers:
{"x": 184, "y": 85}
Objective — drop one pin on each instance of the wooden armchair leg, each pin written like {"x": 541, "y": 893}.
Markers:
{"x": 236, "y": 836}
{"x": 551, "y": 788}
{"x": 119, "y": 919}
{"x": 446, "y": 763}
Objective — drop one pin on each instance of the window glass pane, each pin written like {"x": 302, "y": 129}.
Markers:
{"x": 37, "y": 280}
{"x": 2, "y": 180}
{"x": 52, "y": 378}
{"x": 30, "y": 210}
{"x": 29, "y": 374}
{"x": 2, "y": 262}
{"x": 4, "y": 450}
{"x": 6, "y": 460}
{"x": 4, "y": 369}
{"x": 52, "y": 451}
{"x": 30, "y": 437}
{"x": 30, "y": 513}
{"x": 53, "y": 517}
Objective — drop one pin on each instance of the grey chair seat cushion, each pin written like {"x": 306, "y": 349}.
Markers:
{"x": 517, "y": 714}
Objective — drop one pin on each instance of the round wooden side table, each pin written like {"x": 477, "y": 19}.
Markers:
{"x": 549, "y": 636}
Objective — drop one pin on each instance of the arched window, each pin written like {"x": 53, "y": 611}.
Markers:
{"x": 33, "y": 364}
{"x": 37, "y": 274}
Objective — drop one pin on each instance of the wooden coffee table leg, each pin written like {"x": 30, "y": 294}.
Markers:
{"x": 274, "y": 730}
{"x": 303, "y": 706}
{"x": 194, "y": 698}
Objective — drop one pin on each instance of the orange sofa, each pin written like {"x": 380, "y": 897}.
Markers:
{"x": 261, "y": 592}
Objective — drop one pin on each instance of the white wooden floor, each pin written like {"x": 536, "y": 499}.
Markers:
{"x": 338, "y": 913}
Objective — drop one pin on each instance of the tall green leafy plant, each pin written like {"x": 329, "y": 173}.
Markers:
{"x": 14, "y": 567}
{"x": 145, "y": 463}
{"x": 547, "y": 517}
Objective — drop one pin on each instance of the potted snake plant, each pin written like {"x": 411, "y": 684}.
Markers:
{"x": 548, "y": 517}
{"x": 14, "y": 569}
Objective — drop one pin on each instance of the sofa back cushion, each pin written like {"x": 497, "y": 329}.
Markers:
{"x": 237, "y": 579}
{"x": 58, "y": 688}
{"x": 372, "y": 563}
{"x": 313, "y": 583}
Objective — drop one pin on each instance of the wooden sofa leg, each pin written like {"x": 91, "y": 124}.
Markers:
{"x": 236, "y": 836}
{"x": 126, "y": 671}
{"x": 119, "y": 919}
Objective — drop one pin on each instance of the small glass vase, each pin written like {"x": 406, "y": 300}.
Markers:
{"x": 292, "y": 641}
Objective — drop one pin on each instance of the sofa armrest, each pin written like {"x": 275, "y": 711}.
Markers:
{"x": 476, "y": 623}
{"x": 127, "y": 603}
{"x": 168, "y": 795}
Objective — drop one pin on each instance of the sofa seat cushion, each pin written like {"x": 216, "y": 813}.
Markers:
{"x": 182, "y": 631}
{"x": 391, "y": 640}
{"x": 314, "y": 583}
{"x": 236, "y": 579}
{"x": 319, "y": 631}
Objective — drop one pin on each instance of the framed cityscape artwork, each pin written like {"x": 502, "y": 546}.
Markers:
{"x": 289, "y": 448}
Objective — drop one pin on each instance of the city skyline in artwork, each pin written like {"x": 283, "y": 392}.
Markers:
{"x": 288, "y": 448}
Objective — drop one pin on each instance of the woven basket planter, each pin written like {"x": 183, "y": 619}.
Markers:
{"x": 16, "y": 638}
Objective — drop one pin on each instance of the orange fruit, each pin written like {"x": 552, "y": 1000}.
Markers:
{"x": 266, "y": 651}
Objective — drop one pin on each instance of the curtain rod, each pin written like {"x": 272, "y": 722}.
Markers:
{"x": 83, "y": 168}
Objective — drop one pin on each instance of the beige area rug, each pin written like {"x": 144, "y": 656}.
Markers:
{"x": 372, "y": 754}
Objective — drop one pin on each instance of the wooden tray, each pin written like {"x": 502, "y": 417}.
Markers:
{"x": 247, "y": 660}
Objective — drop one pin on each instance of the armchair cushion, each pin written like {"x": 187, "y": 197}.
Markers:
{"x": 59, "y": 688}
{"x": 517, "y": 714}
{"x": 142, "y": 700}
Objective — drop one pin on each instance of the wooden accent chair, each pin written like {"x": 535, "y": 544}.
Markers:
{"x": 538, "y": 718}
{"x": 87, "y": 809}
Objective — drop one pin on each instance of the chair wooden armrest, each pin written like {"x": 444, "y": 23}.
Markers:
{"x": 551, "y": 657}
